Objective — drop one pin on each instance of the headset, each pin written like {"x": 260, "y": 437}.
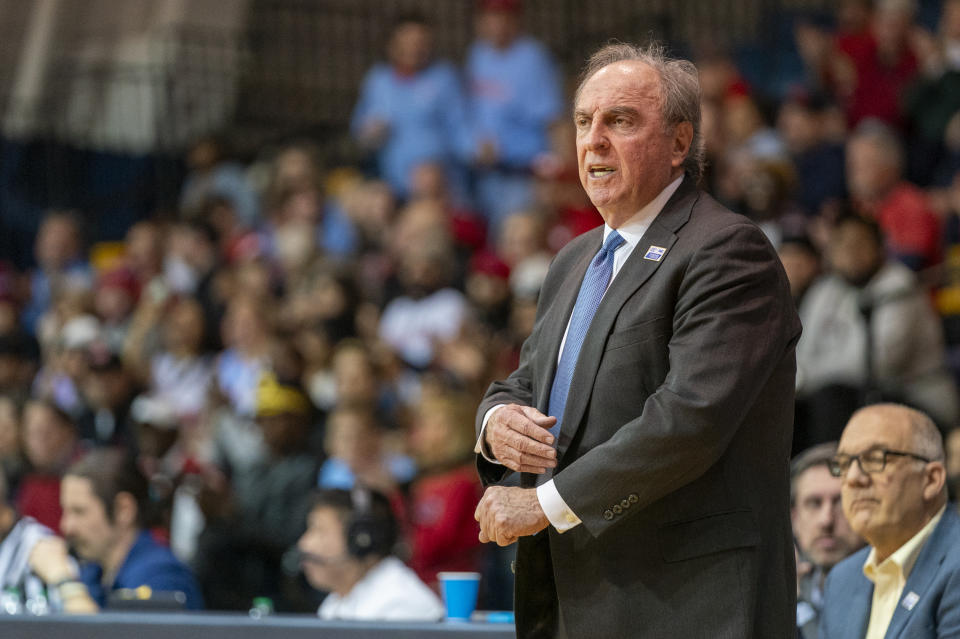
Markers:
{"x": 370, "y": 532}
{"x": 370, "y": 529}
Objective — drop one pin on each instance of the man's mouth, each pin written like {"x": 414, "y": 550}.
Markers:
{"x": 599, "y": 171}
{"x": 828, "y": 542}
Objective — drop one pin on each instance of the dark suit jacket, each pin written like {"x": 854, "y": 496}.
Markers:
{"x": 934, "y": 580}
{"x": 675, "y": 441}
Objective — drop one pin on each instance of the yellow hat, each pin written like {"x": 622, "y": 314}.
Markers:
{"x": 274, "y": 398}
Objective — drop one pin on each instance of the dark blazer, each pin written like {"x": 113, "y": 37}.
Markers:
{"x": 934, "y": 580}
{"x": 675, "y": 441}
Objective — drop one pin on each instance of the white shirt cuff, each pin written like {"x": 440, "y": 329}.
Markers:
{"x": 480, "y": 449}
{"x": 556, "y": 510}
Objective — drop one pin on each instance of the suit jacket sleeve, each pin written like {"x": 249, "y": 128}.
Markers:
{"x": 733, "y": 324}
{"x": 515, "y": 389}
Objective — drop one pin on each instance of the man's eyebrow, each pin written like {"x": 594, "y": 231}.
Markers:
{"x": 622, "y": 110}
{"x": 611, "y": 112}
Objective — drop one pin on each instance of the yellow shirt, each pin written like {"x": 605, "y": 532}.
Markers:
{"x": 890, "y": 576}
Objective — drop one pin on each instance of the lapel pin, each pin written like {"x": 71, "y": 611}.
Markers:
{"x": 910, "y": 600}
{"x": 655, "y": 253}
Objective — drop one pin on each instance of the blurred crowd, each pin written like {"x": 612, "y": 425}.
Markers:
{"x": 297, "y": 326}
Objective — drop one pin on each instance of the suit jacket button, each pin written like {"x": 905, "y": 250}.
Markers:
{"x": 608, "y": 514}
{"x": 632, "y": 498}
{"x": 625, "y": 503}
{"x": 617, "y": 509}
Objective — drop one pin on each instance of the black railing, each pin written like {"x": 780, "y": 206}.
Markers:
{"x": 294, "y": 67}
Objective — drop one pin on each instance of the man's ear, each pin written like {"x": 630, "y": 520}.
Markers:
{"x": 935, "y": 477}
{"x": 682, "y": 139}
{"x": 125, "y": 510}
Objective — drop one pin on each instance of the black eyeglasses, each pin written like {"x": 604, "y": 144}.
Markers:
{"x": 871, "y": 461}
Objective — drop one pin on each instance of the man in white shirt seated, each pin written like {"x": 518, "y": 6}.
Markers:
{"x": 906, "y": 583}
{"x": 347, "y": 550}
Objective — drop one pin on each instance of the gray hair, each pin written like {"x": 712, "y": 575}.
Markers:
{"x": 927, "y": 440}
{"x": 926, "y": 436}
{"x": 817, "y": 455}
{"x": 679, "y": 89}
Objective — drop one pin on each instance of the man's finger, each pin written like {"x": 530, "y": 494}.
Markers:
{"x": 527, "y": 459}
{"x": 525, "y": 426}
{"x": 536, "y": 470}
{"x": 512, "y": 456}
{"x": 483, "y": 537}
{"x": 525, "y": 463}
{"x": 545, "y": 421}
{"x": 505, "y": 538}
{"x": 528, "y": 446}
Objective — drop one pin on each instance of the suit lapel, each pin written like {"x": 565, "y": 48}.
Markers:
{"x": 859, "y": 608}
{"x": 924, "y": 571}
{"x": 633, "y": 275}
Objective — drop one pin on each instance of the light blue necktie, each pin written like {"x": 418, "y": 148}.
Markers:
{"x": 594, "y": 285}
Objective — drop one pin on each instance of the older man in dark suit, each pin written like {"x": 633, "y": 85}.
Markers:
{"x": 651, "y": 412}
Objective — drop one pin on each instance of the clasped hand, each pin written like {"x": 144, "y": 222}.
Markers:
{"x": 518, "y": 438}
{"x": 506, "y": 513}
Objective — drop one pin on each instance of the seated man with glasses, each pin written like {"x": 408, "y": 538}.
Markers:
{"x": 906, "y": 583}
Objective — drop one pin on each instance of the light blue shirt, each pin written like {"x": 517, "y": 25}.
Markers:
{"x": 426, "y": 116}
{"x": 514, "y": 96}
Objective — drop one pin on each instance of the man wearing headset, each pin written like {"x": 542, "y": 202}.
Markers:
{"x": 347, "y": 550}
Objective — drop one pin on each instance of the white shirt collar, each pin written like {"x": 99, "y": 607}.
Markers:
{"x": 634, "y": 228}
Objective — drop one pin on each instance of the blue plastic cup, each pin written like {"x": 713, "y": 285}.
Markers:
{"x": 459, "y": 590}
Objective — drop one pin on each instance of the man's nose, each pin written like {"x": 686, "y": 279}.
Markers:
{"x": 855, "y": 475}
{"x": 596, "y": 137}
{"x": 827, "y": 514}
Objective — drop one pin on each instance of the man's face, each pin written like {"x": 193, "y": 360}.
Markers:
{"x": 410, "y": 47}
{"x": 352, "y": 438}
{"x": 819, "y": 525}
{"x": 498, "y": 27}
{"x": 870, "y": 172}
{"x": 354, "y": 376}
{"x": 801, "y": 266}
{"x": 798, "y": 126}
{"x": 84, "y": 523}
{"x": 325, "y": 542}
{"x": 889, "y": 505}
{"x": 47, "y": 440}
{"x": 855, "y": 254}
{"x": 521, "y": 237}
{"x": 625, "y": 152}
{"x": 56, "y": 242}
{"x": 183, "y": 326}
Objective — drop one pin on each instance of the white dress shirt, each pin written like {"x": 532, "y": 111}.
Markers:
{"x": 389, "y": 592}
{"x": 555, "y": 508}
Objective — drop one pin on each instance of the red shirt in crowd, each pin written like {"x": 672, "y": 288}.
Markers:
{"x": 39, "y": 497}
{"x": 879, "y": 86}
{"x": 911, "y": 227}
{"x": 445, "y": 534}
